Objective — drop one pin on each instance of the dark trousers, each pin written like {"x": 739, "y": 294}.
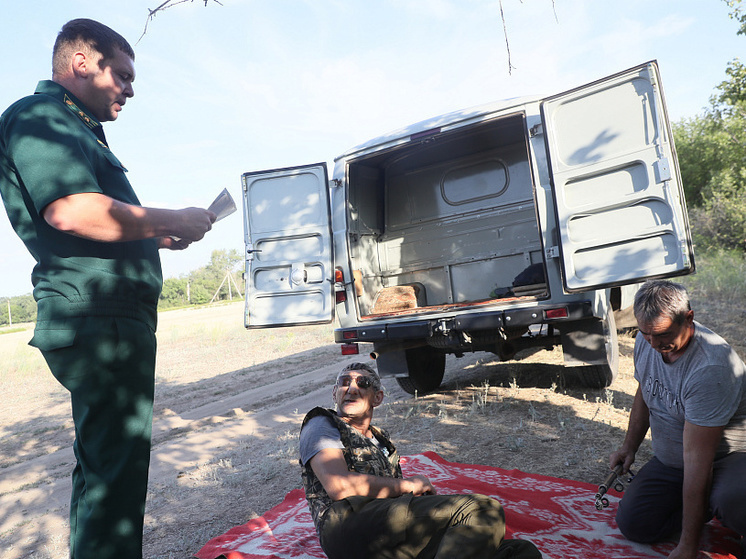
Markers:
{"x": 107, "y": 364}
{"x": 424, "y": 527}
{"x": 651, "y": 507}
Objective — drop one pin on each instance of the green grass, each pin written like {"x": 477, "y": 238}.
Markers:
{"x": 721, "y": 274}
{"x": 12, "y": 329}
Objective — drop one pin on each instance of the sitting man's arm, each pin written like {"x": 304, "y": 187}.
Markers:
{"x": 700, "y": 445}
{"x": 330, "y": 467}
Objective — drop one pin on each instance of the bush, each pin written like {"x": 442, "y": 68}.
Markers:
{"x": 720, "y": 275}
{"x": 720, "y": 221}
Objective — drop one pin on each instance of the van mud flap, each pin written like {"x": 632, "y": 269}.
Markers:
{"x": 591, "y": 350}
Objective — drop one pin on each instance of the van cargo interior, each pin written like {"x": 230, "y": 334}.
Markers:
{"x": 447, "y": 220}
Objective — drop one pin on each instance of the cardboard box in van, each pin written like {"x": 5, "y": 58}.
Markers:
{"x": 523, "y": 223}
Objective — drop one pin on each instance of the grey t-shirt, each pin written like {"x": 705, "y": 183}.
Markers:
{"x": 319, "y": 433}
{"x": 706, "y": 386}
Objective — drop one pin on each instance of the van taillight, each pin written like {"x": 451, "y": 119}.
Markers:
{"x": 350, "y": 349}
{"x": 340, "y": 295}
{"x": 556, "y": 313}
{"x": 350, "y": 335}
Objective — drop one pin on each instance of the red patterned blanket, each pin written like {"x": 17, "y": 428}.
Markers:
{"x": 557, "y": 515}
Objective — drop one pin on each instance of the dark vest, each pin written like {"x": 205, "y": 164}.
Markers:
{"x": 361, "y": 455}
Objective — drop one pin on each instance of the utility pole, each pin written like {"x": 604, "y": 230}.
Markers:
{"x": 228, "y": 278}
{"x": 10, "y": 318}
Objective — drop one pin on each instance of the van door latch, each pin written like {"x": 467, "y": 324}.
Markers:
{"x": 250, "y": 250}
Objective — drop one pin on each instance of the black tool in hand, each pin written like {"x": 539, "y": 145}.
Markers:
{"x": 615, "y": 481}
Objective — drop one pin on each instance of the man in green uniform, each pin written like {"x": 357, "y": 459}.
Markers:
{"x": 97, "y": 278}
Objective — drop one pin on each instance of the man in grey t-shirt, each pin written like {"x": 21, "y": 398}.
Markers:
{"x": 692, "y": 397}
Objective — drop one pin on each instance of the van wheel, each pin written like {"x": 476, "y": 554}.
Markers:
{"x": 601, "y": 376}
{"x": 426, "y": 367}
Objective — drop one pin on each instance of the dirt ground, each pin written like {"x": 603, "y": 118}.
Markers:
{"x": 228, "y": 408}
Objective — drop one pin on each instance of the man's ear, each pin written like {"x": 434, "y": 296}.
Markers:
{"x": 689, "y": 317}
{"x": 378, "y": 398}
{"x": 81, "y": 64}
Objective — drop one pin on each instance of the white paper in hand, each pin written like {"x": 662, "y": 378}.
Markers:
{"x": 223, "y": 205}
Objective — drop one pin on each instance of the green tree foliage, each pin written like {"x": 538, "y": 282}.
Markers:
{"x": 222, "y": 265}
{"x": 22, "y": 309}
{"x": 175, "y": 293}
{"x": 738, "y": 13}
{"x": 712, "y": 157}
{"x": 206, "y": 284}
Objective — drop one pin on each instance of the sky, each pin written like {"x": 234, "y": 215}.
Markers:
{"x": 247, "y": 85}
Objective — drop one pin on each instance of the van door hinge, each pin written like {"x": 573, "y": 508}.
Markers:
{"x": 552, "y": 252}
{"x": 536, "y": 130}
{"x": 662, "y": 170}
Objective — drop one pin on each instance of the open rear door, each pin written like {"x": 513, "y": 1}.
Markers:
{"x": 287, "y": 230}
{"x": 619, "y": 203}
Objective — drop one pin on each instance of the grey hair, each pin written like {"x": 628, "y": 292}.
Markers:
{"x": 661, "y": 298}
{"x": 363, "y": 367}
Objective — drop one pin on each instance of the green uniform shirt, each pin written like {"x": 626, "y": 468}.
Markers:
{"x": 51, "y": 147}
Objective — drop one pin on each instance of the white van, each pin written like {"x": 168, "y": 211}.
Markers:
{"x": 523, "y": 223}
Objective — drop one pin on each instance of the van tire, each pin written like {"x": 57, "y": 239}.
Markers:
{"x": 595, "y": 376}
{"x": 426, "y": 367}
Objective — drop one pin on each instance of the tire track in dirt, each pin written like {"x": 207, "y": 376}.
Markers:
{"x": 34, "y": 495}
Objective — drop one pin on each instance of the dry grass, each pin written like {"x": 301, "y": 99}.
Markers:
{"x": 519, "y": 414}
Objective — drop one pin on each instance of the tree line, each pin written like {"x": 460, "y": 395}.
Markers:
{"x": 712, "y": 158}
{"x": 219, "y": 280}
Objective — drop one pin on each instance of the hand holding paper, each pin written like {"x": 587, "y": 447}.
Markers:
{"x": 223, "y": 205}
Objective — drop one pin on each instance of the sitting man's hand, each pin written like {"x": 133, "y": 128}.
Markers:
{"x": 419, "y": 485}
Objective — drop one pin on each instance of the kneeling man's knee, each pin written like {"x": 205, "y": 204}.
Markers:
{"x": 639, "y": 528}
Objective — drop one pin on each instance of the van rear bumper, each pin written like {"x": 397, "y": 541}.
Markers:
{"x": 509, "y": 319}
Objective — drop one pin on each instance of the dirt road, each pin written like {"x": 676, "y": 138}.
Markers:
{"x": 225, "y": 430}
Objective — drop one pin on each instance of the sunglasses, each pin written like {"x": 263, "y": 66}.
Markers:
{"x": 362, "y": 382}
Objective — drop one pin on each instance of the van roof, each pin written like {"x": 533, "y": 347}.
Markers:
{"x": 442, "y": 122}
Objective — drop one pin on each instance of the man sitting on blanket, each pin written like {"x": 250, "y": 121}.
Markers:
{"x": 362, "y": 506}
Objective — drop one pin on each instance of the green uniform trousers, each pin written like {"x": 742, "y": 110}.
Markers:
{"x": 424, "y": 527}
{"x": 108, "y": 366}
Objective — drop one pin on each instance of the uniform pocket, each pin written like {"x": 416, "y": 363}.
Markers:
{"x": 52, "y": 338}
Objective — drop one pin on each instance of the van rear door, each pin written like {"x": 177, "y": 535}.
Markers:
{"x": 287, "y": 232}
{"x": 620, "y": 207}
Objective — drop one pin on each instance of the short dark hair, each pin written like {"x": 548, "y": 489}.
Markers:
{"x": 87, "y": 35}
{"x": 661, "y": 298}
